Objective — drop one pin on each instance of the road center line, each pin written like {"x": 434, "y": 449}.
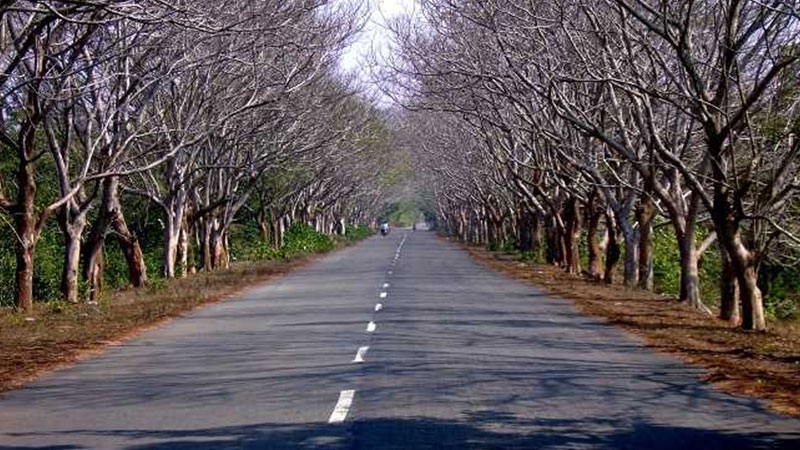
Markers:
{"x": 360, "y": 354}
{"x": 342, "y": 406}
{"x": 378, "y": 307}
{"x": 385, "y": 285}
{"x": 371, "y": 326}
{"x": 383, "y": 295}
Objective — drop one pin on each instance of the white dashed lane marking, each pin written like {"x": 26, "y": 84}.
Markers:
{"x": 383, "y": 294}
{"x": 360, "y": 354}
{"x": 342, "y": 406}
{"x": 378, "y": 307}
{"x": 371, "y": 327}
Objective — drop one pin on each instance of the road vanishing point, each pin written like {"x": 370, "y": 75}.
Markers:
{"x": 400, "y": 342}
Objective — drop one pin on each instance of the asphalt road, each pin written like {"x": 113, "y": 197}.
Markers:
{"x": 460, "y": 358}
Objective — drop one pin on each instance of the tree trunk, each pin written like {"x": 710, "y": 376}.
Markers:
{"x": 170, "y": 254}
{"x": 525, "y": 230}
{"x": 219, "y": 248}
{"x": 752, "y": 302}
{"x": 182, "y": 256}
{"x": 613, "y": 251}
{"x": 72, "y": 257}
{"x": 110, "y": 215}
{"x": 645, "y": 214}
{"x": 631, "y": 266}
{"x": 536, "y": 233}
{"x": 553, "y": 242}
{"x": 205, "y": 244}
{"x": 27, "y": 235}
{"x": 24, "y": 272}
{"x": 729, "y": 291}
{"x": 572, "y": 236}
{"x": 593, "y": 216}
{"x": 690, "y": 274}
{"x": 743, "y": 262}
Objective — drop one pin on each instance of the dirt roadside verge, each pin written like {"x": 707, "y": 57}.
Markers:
{"x": 762, "y": 365}
{"x": 62, "y": 335}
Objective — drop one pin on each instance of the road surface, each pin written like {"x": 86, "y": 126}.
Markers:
{"x": 396, "y": 343}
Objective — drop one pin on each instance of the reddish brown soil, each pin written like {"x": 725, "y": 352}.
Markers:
{"x": 763, "y": 365}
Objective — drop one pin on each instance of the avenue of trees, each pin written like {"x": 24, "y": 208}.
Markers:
{"x": 147, "y": 134}
{"x": 583, "y": 129}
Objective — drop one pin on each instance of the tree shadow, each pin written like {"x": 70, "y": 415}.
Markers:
{"x": 479, "y": 431}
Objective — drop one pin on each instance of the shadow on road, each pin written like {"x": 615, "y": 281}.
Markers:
{"x": 476, "y": 432}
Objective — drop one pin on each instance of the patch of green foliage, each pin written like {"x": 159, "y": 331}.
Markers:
{"x": 781, "y": 289}
{"x": 357, "y": 232}
{"x": 667, "y": 266}
{"x": 301, "y": 238}
{"x": 402, "y": 213}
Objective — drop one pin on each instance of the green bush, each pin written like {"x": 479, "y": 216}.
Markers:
{"x": 357, "y": 232}
{"x": 301, "y": 238}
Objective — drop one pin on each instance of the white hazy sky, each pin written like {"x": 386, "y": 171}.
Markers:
{"x": 374, "y": 35}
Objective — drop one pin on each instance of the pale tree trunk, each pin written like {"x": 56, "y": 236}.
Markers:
{"x": 182, "y": 257}
{"x": 72, "y": 257}
{"x": 536, "y": 233}
{"x": 219, "y": 248}
{"x": 572, "y": 236}
{"x": 170, "y": 246}
{"x": 645, "y": 215}
{"x": 593, "y": 245}
{"x": 690, "y": 274}
{"x": 110, "y": 216}
{"x": 462, "y": 225}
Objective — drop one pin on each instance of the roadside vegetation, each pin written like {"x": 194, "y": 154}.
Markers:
{"x": 142, "y": 141}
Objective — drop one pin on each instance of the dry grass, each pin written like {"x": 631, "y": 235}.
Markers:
{"x": 62, "y": 336}
{"x": 763, "y": 365}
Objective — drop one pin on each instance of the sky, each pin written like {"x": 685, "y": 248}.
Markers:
{"x": 374, "y": 36}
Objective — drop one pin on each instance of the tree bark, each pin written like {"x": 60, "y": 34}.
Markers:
{"x": 645, "y": 214}
{"x": 111, "y": 216}
{"x": 690, "y": 277}
{"x": 613, "y": 251}
{"x": 72, "y": 257}
{"x": 743, "y": 261}
{"x": 631, "y": 264}
{"x": 572, "y": 236}
{"x": 170, "y": 253}
{"x": 27, "y": 234}
{"x": 729, "y": 291}
{"x": 525, "y": 230}
{"x": 593, "y": 245}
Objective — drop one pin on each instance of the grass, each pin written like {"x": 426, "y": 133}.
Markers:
{"x": 64, "y": 333}
{"x": 763, "y": 365}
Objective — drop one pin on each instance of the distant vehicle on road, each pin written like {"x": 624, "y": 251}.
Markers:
{"x": 384, "y": 229}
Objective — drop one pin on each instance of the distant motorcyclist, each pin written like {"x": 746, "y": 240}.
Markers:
{"x": 384, "y": 228}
